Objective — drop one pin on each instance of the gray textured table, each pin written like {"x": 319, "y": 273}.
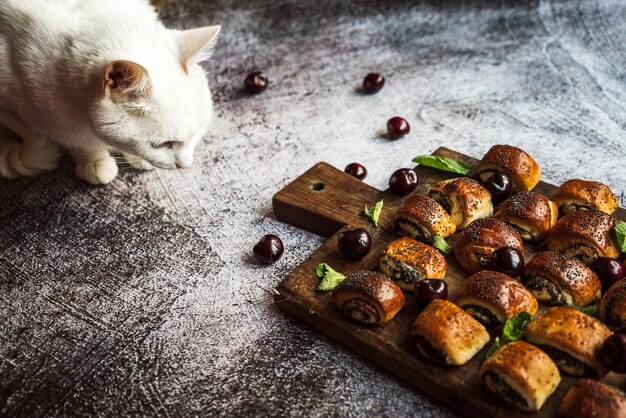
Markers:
{"x": 140, "y": 298}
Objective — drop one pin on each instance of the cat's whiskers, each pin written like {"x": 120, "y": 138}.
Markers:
{"x": 220, "y": 88}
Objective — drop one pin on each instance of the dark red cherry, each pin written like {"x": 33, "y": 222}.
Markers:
{"x": 356, "y": 170}
{"x": 269, "y": 249}
{"x": 354, "y": 243}
{"x": 613, "y": 352}
{"x": 255, "y": 82}
{"x": 499, "y": 186}
{"x": 428, "y": 290}
{"x": 373, "y": 82}
{"x": 609, "y": 270}
{"x": 508, "y": 261}
{"x": 403, "y": 181}
{"x": 397, "y": 127}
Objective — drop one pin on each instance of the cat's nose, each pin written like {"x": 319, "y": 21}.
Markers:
{"x": 184, "y": 161}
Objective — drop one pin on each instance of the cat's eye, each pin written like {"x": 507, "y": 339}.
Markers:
{"x": 166, "y": 144}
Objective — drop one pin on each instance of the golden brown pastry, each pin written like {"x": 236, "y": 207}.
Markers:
{"x": 613, "y": 306}
{"x": 421, "y": 218}
{"x": 475, "y": 245}
{"x": 559, "y": 280}
{"x": 408, "y": 261}
{"x": 493, "y": 297}
{"x": 464, "y": 199}
{"x": 584, "y": 234}
{"x": 521, "y": 375}
{"x": 572, "y": 338}
{"x": 532, "y": 214}
{"x": 520, "y": 167}
{"x": 447, "y": 334}
{"x": 579, "y": 194}
{"x": 368, "y": 297}
{"x": 590, "y": 399}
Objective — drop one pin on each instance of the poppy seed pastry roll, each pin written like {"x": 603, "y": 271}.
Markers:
{"x": 555, "y": 279}
{"x": 579, "y": 194}
{"x": 584, "y": 234}
{"x": 493, "y": 297}
{"x": 532, "y": 214}
{"x": 588, "y": 398}
{"x": 521, "y": 375}
{"x": 448, "y": 335}
{"x": 475, "y": 245}
{"x": 421, "y": 218}
{"x": 613, "y": 306}
{"x": 515, "y": 163}
{"x": 368, "y": 297}
{"x": 464, "y": 199}
{"x": 572, "y": 338}
{"x": 408, "y": 261}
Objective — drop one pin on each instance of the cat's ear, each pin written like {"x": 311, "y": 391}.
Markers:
{"x": 196, "y": 45}
{"x": 125, "y": 79}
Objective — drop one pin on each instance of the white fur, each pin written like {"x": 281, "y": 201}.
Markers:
{"x": 59, "y": 85}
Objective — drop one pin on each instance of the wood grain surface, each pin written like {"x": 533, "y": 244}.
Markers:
{"x": 324, "y": 199}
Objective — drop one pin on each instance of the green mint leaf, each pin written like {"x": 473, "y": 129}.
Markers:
{"x": 442, "y": 163}
{"x": 591, "y": 310}
{"x": 511, "y": 331}
{"x": 620, "y": 234}
{"x": 440, "y": 244}
{"x": 374, "y": 213}
{"x": 496, "y": 344}
{"x": 330, "y": 277}
{"x": 519, "y": 322}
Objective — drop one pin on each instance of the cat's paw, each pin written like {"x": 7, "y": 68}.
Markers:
{"x": 101, "y": 171}
{"x": 32, "y": 158}
{"x": 137, "y": 163}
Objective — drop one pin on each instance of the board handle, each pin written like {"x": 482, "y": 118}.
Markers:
{"x": 324, "y": 199}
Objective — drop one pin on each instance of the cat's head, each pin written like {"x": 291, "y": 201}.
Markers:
{"x": 158, "y": 110}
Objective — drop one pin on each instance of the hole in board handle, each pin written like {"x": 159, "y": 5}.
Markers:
{"x": 318, "y": 187}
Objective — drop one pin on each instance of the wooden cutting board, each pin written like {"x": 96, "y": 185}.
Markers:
{"x": 326, "y": 200}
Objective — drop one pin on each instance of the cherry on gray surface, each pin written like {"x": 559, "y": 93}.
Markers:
{"x": 268, "y": 250}
{"x": 373, "y": 82}
{"x": 356, "y": 170}
{"x": 397, "y": 127}
{"x": 255, "y": 82}
{"x": 140, "y": 298}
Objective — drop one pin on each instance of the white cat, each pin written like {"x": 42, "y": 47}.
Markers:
{"x": 95, "y": 76}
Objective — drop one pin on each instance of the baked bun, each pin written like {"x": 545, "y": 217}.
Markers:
{"x": 492, "y": 297}
{"x": 559, "y": 280}
{"x": 421, "y": 218}
{"x": 572, "y": 338}
{"x": 408, "y": 261}
{"x": 474, "y": 246}
{"x": 368, "y": 297}
{"x": 590, "y": 399}
{"x": 613, "y": 307}
{"x": 532, "y": 214}
{"x": 447, "y": 334}
{"x": 579, "y": 194}
{"x": 584, "y": 234}
{"x": 464, "y": 199}
{"x": 521, "y": 375}
{"x": 520, "y": 167}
